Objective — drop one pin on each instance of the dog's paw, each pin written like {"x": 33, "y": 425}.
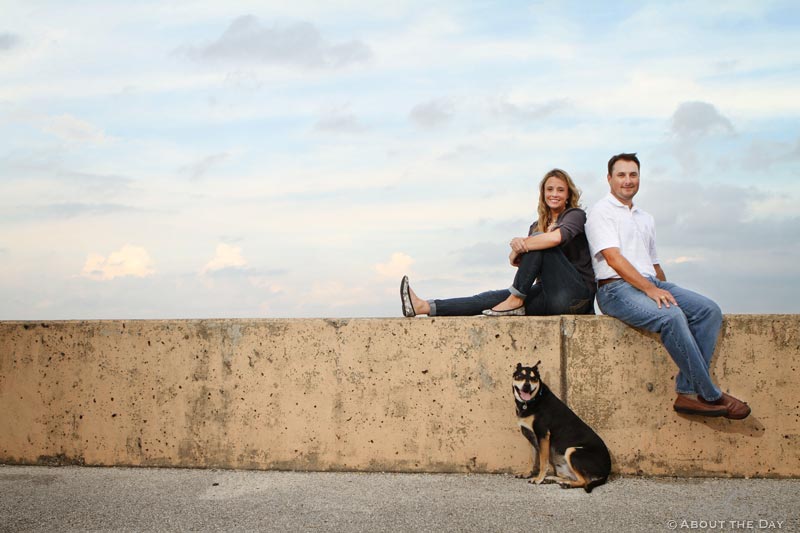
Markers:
{"x": 524, "y": 476}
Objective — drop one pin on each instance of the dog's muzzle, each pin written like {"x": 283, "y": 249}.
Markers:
{"x": 523, "y": 395}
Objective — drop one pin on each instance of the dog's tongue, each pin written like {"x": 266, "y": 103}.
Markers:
{"x": 525, "y": 396}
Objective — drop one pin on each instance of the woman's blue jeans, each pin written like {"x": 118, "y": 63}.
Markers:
{"x": 560, "y": 291}
{"x": 689, "y": 331}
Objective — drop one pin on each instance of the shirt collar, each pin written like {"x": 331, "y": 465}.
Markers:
{"x": 615, "y": 202}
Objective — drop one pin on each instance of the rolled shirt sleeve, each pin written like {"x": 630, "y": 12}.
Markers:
{"x": 572, "y": 224}
{"x": 601, "y": 231}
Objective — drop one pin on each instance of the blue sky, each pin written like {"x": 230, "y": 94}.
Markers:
{"x": 258, "y": 159}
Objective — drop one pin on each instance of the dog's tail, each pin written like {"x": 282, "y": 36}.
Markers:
{"x": 595, "y": 483}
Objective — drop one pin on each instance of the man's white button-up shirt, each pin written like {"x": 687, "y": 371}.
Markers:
{"x": 611, "y": 224}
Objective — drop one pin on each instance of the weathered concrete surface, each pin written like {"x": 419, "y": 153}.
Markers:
{"x": 386, "y": 395}
{"x": 160, "y": 499}
{"x": 621, "y": 381}
{"x": 422, "y": 395}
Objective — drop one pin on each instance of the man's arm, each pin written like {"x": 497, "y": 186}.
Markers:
{"x": 659, "y": 272}
{"x": 626, "y": 271}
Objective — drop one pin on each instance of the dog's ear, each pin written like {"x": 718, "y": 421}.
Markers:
{"x": 537, "y": 364}
{"x": 519, "y": 365}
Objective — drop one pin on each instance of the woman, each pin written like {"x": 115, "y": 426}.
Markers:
{"x": 554, "y": 267}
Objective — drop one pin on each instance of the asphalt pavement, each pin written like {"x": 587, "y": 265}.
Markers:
{"x": 150, "y": 499}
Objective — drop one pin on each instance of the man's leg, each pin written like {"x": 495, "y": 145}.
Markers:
{"x": 632, "y": 306}
{"x": 705, "y": 322}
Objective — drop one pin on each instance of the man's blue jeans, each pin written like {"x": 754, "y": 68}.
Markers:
{"x": 561, "y": 289}
{"x": 689, "y": 332}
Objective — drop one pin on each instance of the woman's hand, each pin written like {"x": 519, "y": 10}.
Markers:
{"x": 514, "y": 258}
{"x": 518, "y": 245}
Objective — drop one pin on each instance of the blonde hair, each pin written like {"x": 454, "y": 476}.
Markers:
{"x": 573, "y": 197}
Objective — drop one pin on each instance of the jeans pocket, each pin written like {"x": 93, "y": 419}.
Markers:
{"x": 607, "y": 296}
{"x": 579, "y": 307}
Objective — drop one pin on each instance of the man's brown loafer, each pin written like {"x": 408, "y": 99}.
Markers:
{"x": 736, "y": 409}
{"x": 691, "y": 406}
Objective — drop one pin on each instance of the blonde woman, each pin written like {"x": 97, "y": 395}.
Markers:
{"x": 554, "y": 267}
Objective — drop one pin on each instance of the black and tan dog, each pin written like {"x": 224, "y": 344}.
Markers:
{"x": 578, "y": 455}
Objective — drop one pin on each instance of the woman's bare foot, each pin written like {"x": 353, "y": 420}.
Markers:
{"x": 422, "y": 307}
{"x": 512, "y": 302}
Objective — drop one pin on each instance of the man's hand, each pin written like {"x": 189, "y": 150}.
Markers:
{"x": 627, "y": 272}
{"x": 661, "y": 296}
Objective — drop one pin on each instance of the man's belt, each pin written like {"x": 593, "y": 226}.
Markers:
{"x": 602, "y": 282}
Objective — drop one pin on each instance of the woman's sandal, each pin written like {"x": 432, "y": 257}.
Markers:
{"x": 517, "y": 311}
{"x": 405, "y": 298}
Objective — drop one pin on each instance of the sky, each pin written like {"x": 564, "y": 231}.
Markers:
{"x": 246, "y": 159}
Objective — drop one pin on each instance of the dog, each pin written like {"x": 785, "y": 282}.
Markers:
{"x": 558, "y": 436}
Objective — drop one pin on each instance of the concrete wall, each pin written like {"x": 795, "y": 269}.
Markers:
{"x": 381, "y": 394}
{"x": 621, "y": 381}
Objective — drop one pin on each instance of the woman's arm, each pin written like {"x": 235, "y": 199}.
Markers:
{"x": 540, "y": 241}
{"x": 570, "y": 224}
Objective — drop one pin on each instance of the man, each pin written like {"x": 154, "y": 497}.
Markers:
{"x": 633, "y": 288}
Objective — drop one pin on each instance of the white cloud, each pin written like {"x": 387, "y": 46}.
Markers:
{"x": 529, "y": 111}
{"x": 432, "y": 113}
{"x": 73, "y": 129}
{"x": 762, "y": 155}
{"x": 396, "y": 267}
{"x": 299, "y": 44}
{"x": 267, "y": 284}
{"x": 339, "y": 121}
{"x": 65, "y": 126}
{"x": 226, "y": 256}
{"x": 697, "y": 119}
{"x": 683, "y": 259}
{"x": 127, "y": 261}
{"x": 200, "y": 169}
{"x": 8, "y": 41}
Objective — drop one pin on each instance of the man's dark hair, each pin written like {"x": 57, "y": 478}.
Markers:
{"x": 624, "y": 157}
